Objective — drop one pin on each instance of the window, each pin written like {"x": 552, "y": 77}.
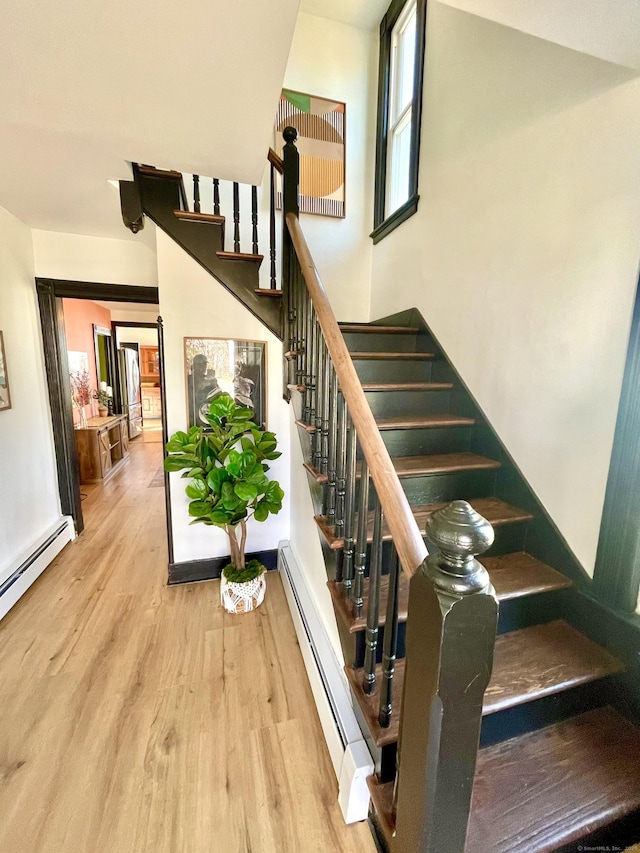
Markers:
{"x": 399, "y": 106}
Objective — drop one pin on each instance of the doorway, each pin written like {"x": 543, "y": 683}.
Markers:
{"x": 103, "y": 373}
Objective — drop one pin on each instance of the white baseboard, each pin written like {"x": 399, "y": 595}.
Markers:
{"x": 350, "y": 756}
{"x": 16, "y": 579}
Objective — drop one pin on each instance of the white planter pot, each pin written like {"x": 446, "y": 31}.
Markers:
{"x": 242, "y": 597}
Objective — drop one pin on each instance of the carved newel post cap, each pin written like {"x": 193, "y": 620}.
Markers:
{"x": 458, "y": 533}
{"x": 290, "y": 134}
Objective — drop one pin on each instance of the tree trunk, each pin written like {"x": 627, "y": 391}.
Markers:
{"x": 237, "y": 548}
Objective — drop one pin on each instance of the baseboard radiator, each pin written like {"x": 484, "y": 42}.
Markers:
{"x": 350, "y": 756}
{"x": 16, "y": 579}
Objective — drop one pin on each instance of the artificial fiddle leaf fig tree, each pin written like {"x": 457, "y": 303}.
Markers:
{"x": 228, "y": 483}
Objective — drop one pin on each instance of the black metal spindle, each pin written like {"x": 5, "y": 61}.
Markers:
{"x": 216, "y": 196}
{"x": 361, "y": 540}
{"x": 196, "y": 193}
{"x": 373, "y": 602}
{"x": 272, "y": 228}
{"x": 254, "y": 220}
{"x": 236, "y": 217}
{"x": 349, "y": 504}
{"x": 390, "y": 643}
{"x": 330, "y": 491}
{"x": 318, "y": 371}
{"x": 342, "y": 466}
{"x": 326, "y": 391}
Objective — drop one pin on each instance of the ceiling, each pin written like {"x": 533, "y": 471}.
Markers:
{"x": 87, "y": 86}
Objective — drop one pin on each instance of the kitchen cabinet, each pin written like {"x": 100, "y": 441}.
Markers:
{"x": 151, "y": 403}
{"x": 149, "y": 364}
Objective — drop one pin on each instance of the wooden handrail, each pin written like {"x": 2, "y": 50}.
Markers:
{"x": 397, "y": 511}
{"x": 275, "y": 160}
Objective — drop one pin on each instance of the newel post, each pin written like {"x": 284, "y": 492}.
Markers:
{"x": 291, "y": 172}
{"x": 453, "y": 615}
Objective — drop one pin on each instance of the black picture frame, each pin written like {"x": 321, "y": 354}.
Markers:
{"x": 217, "y": 365}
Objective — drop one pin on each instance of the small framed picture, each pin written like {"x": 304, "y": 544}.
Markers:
{"x": 5, "y": 394}
{"x": 214, "y": 366}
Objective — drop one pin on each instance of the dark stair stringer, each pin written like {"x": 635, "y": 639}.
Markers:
{"x": 161, "y": 196}
{"x": 561, "y": 689}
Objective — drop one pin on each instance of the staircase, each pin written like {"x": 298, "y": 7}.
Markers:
{"x": 543, "y": 755}
{"x": 558, "y": 763}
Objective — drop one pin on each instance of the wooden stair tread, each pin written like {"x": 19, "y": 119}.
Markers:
{"x": 518, "y": 575}
{"x": 546, "y": 788}
{"x": 496, "y": 511}
{"x": 240, "y": 256}
{"x": 407, "y": 386}
{"x": 199, "y": 217}
{"x": 416, "y": 466}
{"x": 527, "y": 665}
{"x": 392, "y": 356}
{"x": 381, "y": 330}
{"x": 152, "y": 172}
{"x": 268, "y": 291}
{"x": 409, "y": 421}
{"x": 560, "y": 783}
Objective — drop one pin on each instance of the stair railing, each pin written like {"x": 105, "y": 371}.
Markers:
{"x": 450, "y": 637}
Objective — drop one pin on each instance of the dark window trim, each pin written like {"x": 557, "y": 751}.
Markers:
{"x": 383, "y": 226}
{"x": 616, "y": 576}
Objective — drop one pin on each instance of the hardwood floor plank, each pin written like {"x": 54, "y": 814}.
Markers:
{"x": 141, "y": 718}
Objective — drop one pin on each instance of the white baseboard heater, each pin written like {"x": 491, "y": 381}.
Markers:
{"x": 350, "y": 756}
{"x": 16, "y": 579}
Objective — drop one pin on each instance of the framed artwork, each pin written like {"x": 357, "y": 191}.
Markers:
{"x": 217, "y": 365}
{"x": 321, "y": 144}
{"x": 5, "y": 394}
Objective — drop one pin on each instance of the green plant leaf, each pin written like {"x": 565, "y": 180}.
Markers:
{"x": 199, "y": 508}
{"x": 197, "y": 490}
{"x": 261, "y": 512}
{"x": 246, "y": 491}
{"x": 177, "y": 463}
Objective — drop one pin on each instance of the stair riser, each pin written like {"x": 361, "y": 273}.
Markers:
{"x": 543, "y": 712}
{"x": 530, "y": 610}
{"x": 408, "y": 402}
{"x": 369, "y": 370}
{"x": 437, "y": 488}
{"x": 370, "y": 342}
{"x": 423, "y": 441}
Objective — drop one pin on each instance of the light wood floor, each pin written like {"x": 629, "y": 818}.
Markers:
{"x": 136, "y": 717}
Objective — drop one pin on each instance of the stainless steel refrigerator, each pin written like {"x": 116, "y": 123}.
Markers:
{"x": 130, "y": 389}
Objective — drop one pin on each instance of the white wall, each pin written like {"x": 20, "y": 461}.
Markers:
{"x": 193, "y": 304}
{"x": 29, "y": 502}
{"x": 523, "y": 255}
{"x": 333, "y": 60}
{"x": 133, "y": 335}
{"x": 78, "y": 257}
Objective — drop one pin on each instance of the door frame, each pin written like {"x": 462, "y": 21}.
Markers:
{"x": 50, "y": 293}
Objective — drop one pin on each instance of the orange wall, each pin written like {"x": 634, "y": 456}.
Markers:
{"x": 80, "y": 316}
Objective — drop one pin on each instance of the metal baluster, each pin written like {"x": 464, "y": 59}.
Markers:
{"x": 326, "y": 391}
{"x": 390, "y": 643}
{"x": 330, "y": 491}
{"x": 254, "y": 220}
{"x": 349, "y": 504}
{"x": 373, "y": 603}
{"x": 236, "y": 217}
{"x": 196, "y": 193}
{"x": 361, "y": 542}
{"x": 272, "y": 229}
{"x": 216, "y": 196}
{"x": 342, "y": 465}
{"x": 318, "y": 351}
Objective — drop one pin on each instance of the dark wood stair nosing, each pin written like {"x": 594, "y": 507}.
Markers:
{"x": 495, "y": 510}
{"x": 371, "y": 387}
{"x": 268, "y": 291}
{"x": 392, "y": 356}
{"x": 240, "y": 256}
{"x": 513, "y": 680}
{"x": 190, "y": 216}
{"x": 418, "y": 466}
{"x": 408, "y": 422}
{"x": 516, "y": 582}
